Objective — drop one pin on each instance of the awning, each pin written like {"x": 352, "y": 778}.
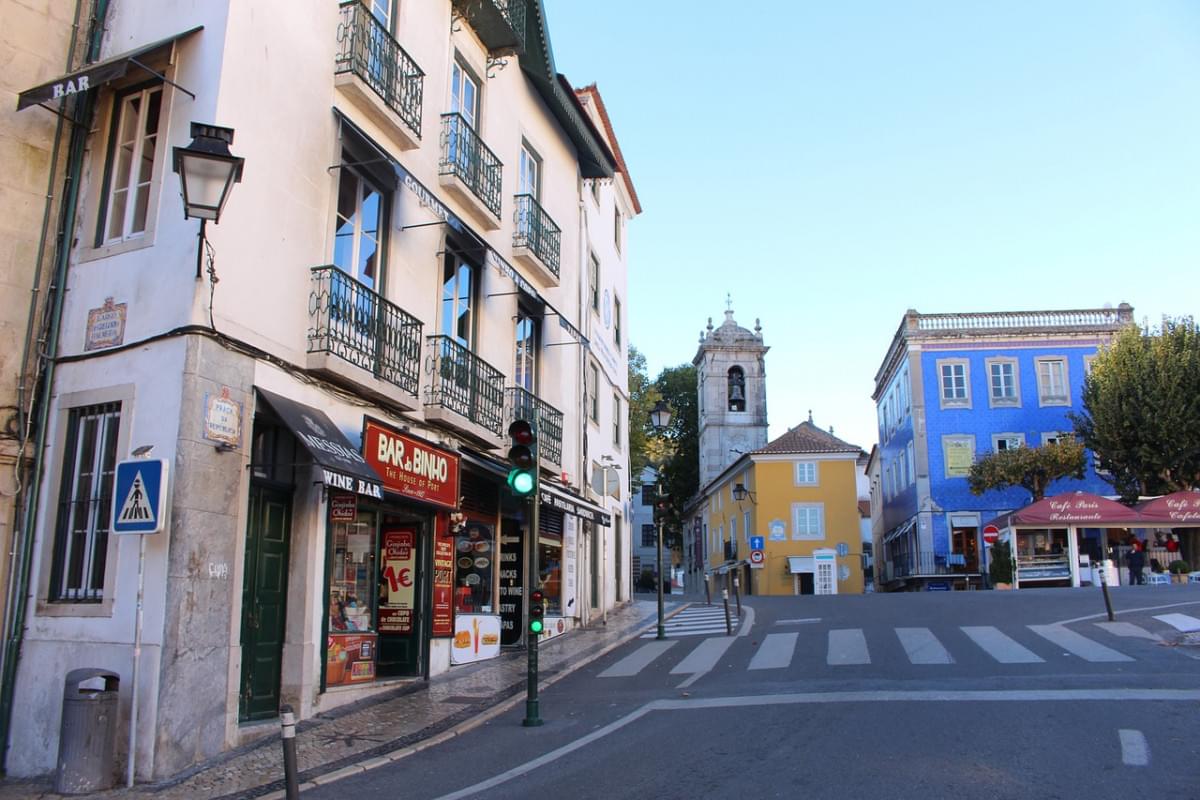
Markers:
{"x": 797, "y": 564}
{"x": 570, "y": 504}
{"x": 1078, "y": 509}
{"x": 95, "y": 74}
{"x": 1178, "y": 510}
{"x": 899, "y": 531}
{"x": 343, "y": 466}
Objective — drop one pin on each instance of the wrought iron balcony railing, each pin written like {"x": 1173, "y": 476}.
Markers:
{"x": 523, "y": 404}
{"x": 366, "y": 49}
{"x": 355, "y": 324}
{"x": 500, "y": 24}
{"x": 514, "y": 12}
{"x": 465, "y": 156}
{"x": 914, "y": 565}
{"x": 535, "y": 230}
{"x": 466, "y": 384}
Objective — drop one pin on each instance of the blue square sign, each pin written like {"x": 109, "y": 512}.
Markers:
{"x": 139, "y": 496}
{"x": 756, "y": 543}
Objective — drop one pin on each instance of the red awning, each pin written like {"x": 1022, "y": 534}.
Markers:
{"x": 1077, "y": 509}
{"x": 1176, "y": 509}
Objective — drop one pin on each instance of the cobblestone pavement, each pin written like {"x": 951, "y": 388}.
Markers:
{"x": 383, "y": 729}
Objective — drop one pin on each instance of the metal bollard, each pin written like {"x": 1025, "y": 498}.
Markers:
{"x": 287, "y": 729}
{"x": 737, "y": 594}
{"x": 728, "y": 623}
{"x": 707, "y": 590}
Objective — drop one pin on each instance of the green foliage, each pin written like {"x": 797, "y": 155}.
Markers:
{"x": 679, "y": 446}
{"x": 1179, "y": 567}
{"x": 1141, "y": 410}
{"x": 1000, "y": 566}
{"x": 642, "y": 396}
{"x": 1032, "y": 468}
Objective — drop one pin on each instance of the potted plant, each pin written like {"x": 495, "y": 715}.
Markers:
{"x": 1000, "y": 566}
{"x": 1179, "y": 570}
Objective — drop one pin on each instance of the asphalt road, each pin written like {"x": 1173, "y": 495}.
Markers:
{"x": 965, "y": 695}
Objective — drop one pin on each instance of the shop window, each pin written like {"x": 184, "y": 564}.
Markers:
{"x": 475, "y": 556}
{"x": 85, "y": 504}
{"x": 550, "y": 554}
{"x": 351, "y": 574}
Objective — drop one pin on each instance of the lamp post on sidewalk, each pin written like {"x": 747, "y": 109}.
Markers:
{"x": 660, "y": 420}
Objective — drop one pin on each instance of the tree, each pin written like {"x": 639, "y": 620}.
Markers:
{"x": 1032, "y": 468}
{"x": 1141, "y": 410}
{"x": 678, "y": 448}
{"x": 642, "y": 397}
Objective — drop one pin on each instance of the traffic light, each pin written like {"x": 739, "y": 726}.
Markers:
{"x": 522, "y": 477}
{"x": 662, "y": 508}
{"x": 537, "y": 610}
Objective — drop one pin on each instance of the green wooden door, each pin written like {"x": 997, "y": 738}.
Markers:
{"x": 264, "y": 602}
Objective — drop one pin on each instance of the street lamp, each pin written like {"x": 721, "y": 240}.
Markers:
{"x": 660, "y": 420}
{"x": 740, "y": 493}
{"x": 207, "y": 171}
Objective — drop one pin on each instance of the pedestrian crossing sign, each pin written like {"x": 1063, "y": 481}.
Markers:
{"x": 139, "y": 496}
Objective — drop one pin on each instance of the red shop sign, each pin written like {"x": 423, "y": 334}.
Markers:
{"x": 411, "y": 467}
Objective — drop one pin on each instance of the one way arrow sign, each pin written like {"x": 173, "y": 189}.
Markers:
{"x": 139, "y": 496}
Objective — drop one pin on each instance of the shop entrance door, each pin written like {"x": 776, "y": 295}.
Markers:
{"x": 264, "y": 601}
{"x": 402, "y": 607}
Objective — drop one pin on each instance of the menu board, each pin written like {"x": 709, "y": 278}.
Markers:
{"x": 474, "y": 551}
{"x": 511, "y": 590}
{"x": 443, "y": 582}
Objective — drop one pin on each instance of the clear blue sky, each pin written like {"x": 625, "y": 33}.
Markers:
{"x": 831, "y": 164}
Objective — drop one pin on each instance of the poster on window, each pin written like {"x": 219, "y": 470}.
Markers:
{"x": 349, "y": 658}
{"x": 399, "y": 571}
{"x": 443, "y": 582}
{"x": 476, "y": 637}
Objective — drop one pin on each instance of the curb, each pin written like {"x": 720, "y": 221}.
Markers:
{"x": 496, "y": 710}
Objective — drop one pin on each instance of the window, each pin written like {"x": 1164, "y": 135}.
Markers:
{"x": 594, "y": 283}
{"x": 1007, "y": 441}
{"x": 526, "y": 351}
{"x": 129, "y": 172}
{"x": 1003, "y": 386}
{"x": 958, "y": 452}
{"x": 806, "y": 473}
{"x": 596, "y": 191}
{"x": 649, "y": 492}
{"x": 529, "y": 174}
{"x": 458, "y": 300}
{"x": 912, "y": 462}
{"x": 1088, "y": 363}
{"x": 808, "y": 521}
{"x": 616, "y": 410}
{"x": 733, "y": 529}
{"x": 736, "y": 384}
{"x": 359, "y": 225}
{"x": 85, "y": 504}
{"x": 954, "y": 383}
{"x": 618, "y": 224}
{"x": 746, "y": 526}
{"x": 464, "y": 95}
{"x": 594, "y": 395}
{"x": 1052, "y": 382}
{"x": 649, "y": 535}
{"x": 1054, "y": 437}
{"x": 617, "y": 320}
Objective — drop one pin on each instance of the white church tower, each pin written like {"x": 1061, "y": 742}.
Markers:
{"x": 731, "y": 377}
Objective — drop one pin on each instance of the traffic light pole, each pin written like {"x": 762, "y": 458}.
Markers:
{"x": 532, "y": 717}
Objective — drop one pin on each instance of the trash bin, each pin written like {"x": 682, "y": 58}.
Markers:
{"x": 87, "y": 738}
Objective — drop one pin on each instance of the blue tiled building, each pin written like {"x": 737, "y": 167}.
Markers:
{"x": 954, "y": 387}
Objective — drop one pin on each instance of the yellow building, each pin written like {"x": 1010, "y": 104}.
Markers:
{"x": 799, "y": 496}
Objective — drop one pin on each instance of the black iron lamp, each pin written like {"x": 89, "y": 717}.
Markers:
{"x": 740, "y": 493}
{"x": 207, "y": 173}
{"x": 660, "y": 420}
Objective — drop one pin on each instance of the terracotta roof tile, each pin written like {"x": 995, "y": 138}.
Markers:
{"x": 808, "y": 438}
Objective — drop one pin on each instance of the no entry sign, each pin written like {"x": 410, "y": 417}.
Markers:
{"x": 990, "y": 534}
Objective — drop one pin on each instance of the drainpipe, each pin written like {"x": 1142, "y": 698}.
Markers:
{"x": 28, "y": 507}
{"x": 581, "y": 315}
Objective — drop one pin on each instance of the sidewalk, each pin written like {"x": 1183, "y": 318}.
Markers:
{"x": 376, "y": 731}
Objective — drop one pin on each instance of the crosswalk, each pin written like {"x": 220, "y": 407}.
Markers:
{"x": 848, "y": 647}
{"x": 697, "y": 621}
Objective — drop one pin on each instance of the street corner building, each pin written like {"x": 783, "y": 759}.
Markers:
{"x": 952, "y": 388}
{"x": 421, "y": 239}
{"x": 780, "y": 517}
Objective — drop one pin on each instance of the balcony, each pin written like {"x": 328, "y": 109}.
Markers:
{"x": 377, "y": 76}
{"x": 548, "y": 420}
{"x": 465, "y": 392}
{"x": 470, "y": 171}
{"x": 536, "y": 239}
{"x": 499, "y": 24}
{"x": 356, "y": 337}
{"x": 907, "y": 567}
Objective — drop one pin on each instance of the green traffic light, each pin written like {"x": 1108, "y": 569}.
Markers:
{"x": 521, "y": 482}
{"x": 535, "y": 626}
